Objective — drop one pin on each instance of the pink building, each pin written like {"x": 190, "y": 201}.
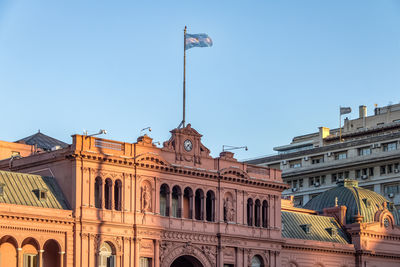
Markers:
{"x": 105, "y": 203}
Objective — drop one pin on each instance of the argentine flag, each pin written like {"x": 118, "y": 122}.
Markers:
{"x": 197, "y": 40}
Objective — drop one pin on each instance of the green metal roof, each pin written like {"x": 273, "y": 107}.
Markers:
{"x": 25, "y": 189}
{"x": 320, "y": 228}
{"x": 358, "y": 200}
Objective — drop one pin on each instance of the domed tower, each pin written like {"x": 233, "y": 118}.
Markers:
{"x": 362, "y": 205}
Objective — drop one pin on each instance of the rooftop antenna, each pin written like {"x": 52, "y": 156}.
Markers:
{"x": 101, "y": 131}
{"x": 144, "y": 129}
{"x": 228, "y": 148}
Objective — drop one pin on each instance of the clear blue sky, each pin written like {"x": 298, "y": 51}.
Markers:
{"x": 277, "y": 68}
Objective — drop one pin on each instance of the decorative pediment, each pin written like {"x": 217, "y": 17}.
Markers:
{"x": 186, "y": 143}
{"x": 234, "y": 172}
{"x": 153, "y": 159}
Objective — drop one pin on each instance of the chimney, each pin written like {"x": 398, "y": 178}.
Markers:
{"x": 363, "y": 111}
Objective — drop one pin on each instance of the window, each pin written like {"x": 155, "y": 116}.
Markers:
{"x": 334, "y": 178}
{"x": 311, "y": 181}
{"x": 164, "y": 200}
{"x": 145, "y": 262}
{"x": 389, "y": 168}
{"x": 391, "y": 189}
{"x": 298, "y": 201}
{"x": 106, "y": 256}
{"x": 250, "y": 212}
{"x": 300, "y": 182}
{"x": 265, "y": 214}
{"x": 257, "y": 213}
{"x": 294, "y": 184}
{"x": 98, "y": 193}
{"x": 188, "y": 203}
{"x": 295, "y": 164}
{"x": 383, "y": 169}
{"x": 306, "y": 228}
{"x": 30, "y": 260}
{"x": 358, "y": 174}
{"x": 199, "y": 204}
{"x": 390, "y": 146}
{"x": 341, "y": 155}
{"x": 210, "y": 206}
{"x": 117, "y": 195}
{"x": 108, "y": 194}
{"x": 43, "y": 195}
{"x": 364, "y": 151}
{"x": 1, "y": 189}
{"x": 317, "y": 159}
{"x": 176, "y": 202}
{"x": 257, "y": 261}
{"x": 371, "y": 171}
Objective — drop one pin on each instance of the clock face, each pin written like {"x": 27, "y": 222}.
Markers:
{"x": 187, "y": 145}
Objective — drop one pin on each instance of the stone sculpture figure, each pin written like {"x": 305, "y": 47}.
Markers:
{"x": 146, "y": 198}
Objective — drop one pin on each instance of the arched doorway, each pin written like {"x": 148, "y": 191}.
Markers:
{"x": 51, "y": 254}
{"x": 187, "y": 261}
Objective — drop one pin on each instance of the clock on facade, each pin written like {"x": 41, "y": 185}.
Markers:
{"x": 187, "y": 145}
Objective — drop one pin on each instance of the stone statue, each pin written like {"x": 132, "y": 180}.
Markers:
{"x": 229, "y": 211}
{"x": 146, "y": 198}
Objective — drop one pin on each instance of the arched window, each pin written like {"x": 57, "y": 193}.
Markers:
{"x": 106, "y": 256}
{"x": 98, "y": 198}
{"x": 210, "y": 206}
{"x": 265, "y": 214}
{"x": 188, "y": 203}
{"x": 118, "y": 195}
{"x": 257, "y": 213}
{"x": 108, "y": 194}
{"x": 176, "y": 202}
{"x": 257, "y": 261}
{"x": 250, "y": 212}
{"x": 199, "y": 204}
{"x": 164, "y": 200}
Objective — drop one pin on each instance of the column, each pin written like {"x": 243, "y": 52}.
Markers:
{"x": 40, "y": 257}
{"x": 137, "y": 258}
{"x": 62, "y": 258}
{"x": 191, "y": 207}
{"x": 20, "y": 257}
{"x": 203, "y": 210}
{"x": 156, "y": 253}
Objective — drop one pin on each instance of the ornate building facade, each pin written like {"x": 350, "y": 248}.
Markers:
{"x": 105, "y": 203}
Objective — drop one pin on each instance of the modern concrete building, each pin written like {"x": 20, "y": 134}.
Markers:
{"x": 368, "y": 151}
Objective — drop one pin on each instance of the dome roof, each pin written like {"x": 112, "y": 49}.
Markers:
{"x": 358, "y": 200}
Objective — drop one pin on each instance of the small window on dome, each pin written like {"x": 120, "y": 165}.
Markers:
{"x": 41, "y": 194}
{"x": 367, "y": 203}
{"x": 386, "y": 222}
{"x": 306, "y": 228}
{"x": 1, "y": 189}
{"x": 331, "y": 231}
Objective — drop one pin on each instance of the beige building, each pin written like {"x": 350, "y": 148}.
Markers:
{"x": 369, "y": 151}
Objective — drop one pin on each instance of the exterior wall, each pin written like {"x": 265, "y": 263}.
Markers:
{"x": 47, "y": 233}
{"x": 9, "y": 149}
{"x": 301, "y": 253}
{"x": 138, "y": 230}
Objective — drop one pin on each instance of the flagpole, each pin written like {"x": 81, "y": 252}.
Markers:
{"x": 184, "y": 77}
